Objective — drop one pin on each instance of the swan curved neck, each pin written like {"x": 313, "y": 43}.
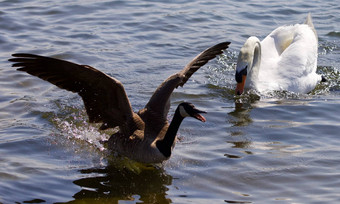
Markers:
{"x": 165, "y": 145}
{"x": 253, "y": 49}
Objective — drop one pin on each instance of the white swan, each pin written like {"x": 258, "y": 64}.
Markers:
{"x": 285, "y": 60}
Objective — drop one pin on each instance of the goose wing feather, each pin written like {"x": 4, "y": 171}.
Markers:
{"x": 104, "y": 97}
{"x": 159, "y": 103}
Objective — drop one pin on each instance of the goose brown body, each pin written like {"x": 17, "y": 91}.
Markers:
{"x": 145, "y": 136}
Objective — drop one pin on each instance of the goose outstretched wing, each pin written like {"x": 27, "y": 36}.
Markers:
{"x": 159, "y": 103}
{"x": 104, "y": 96}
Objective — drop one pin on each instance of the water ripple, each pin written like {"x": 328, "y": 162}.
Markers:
{"x": 252, "y": 149}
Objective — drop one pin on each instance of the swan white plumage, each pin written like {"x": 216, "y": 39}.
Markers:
{"x": 285, "y": 60}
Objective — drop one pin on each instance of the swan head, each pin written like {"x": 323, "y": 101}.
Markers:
{"x": 240, "y": 78}
{"x": 247, "y": 63}
{"x": 189, "y": 110}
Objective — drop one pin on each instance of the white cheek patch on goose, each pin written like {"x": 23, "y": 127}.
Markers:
{"x": 183, "y": 112}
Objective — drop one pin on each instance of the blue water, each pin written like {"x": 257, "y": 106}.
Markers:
{"x": 278, "y": 148}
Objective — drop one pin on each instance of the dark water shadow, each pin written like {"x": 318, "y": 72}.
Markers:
{"x": 112, "y": 184}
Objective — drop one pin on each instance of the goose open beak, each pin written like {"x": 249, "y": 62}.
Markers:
{"x": 240, "y": 85}
{"x": 198, "y": 116}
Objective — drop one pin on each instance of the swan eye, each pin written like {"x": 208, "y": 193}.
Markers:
{"x": 238, "y": 75}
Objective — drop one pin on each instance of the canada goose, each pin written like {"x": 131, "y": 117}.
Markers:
{"x": 145, "y": 136}
{"x": 285, "y": 60}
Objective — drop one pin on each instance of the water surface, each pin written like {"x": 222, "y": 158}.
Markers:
{"x": 278, "y": 148}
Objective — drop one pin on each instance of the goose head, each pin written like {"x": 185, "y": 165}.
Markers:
{"x": 248, "y": 64}
{"x": 183, "y": 110}
{"x": 189, "y": 110}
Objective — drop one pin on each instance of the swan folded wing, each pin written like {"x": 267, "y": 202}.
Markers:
{"x": 159, "y": 102}
{"x": 300, "y": 58}
{"x": 104, "y": 97}
{"x": 298, "y": 63}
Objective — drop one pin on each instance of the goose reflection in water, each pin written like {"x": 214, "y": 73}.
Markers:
{"x": 112, "y": 184}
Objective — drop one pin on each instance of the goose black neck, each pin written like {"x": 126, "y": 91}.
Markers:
{"x": 165, "y": 145}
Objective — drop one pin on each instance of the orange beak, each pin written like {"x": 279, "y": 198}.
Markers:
{"x": 240, "y": 86}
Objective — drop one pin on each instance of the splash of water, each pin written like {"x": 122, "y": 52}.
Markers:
{"x": 86, "y": 133}
{"x": 72, "y": 122}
